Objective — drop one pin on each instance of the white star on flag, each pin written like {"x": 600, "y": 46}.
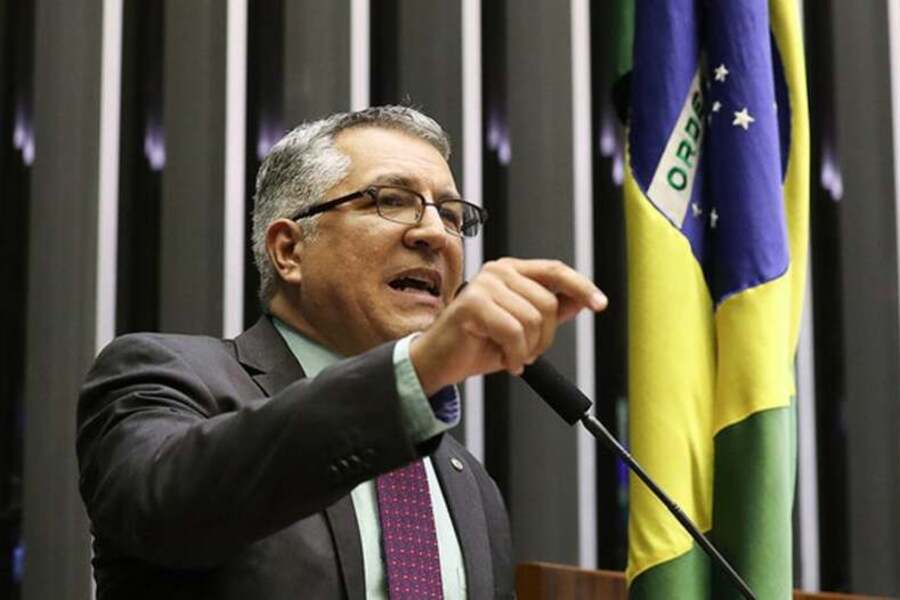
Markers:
{"x": 721, "y": 72}
{"x": 743, "y": 119}
{"x": 717, "y": 106}
{"x": 713, "y": 218}
{"x": 696, "y": 209}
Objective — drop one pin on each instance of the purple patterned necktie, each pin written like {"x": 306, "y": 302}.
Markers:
{"x": 408, "y": 535}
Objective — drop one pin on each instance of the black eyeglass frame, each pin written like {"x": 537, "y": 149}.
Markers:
{"x": 372, "y": 192}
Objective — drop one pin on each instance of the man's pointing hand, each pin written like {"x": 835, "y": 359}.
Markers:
{"x": 503, "y": 320}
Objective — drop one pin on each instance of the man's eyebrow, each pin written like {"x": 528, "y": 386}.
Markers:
{"x": 404, "y": 181}
{"x": 393, "y": 179}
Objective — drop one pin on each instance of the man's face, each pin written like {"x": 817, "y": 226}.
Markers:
{"x": 354, "y": 272}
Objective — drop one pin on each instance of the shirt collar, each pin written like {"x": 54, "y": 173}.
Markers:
{"x": 313, "y": 357}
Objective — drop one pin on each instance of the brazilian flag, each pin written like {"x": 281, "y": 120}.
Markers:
{"x": 717, "y": 221}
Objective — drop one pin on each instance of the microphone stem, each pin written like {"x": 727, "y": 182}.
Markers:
{"x": 601, "y": 433}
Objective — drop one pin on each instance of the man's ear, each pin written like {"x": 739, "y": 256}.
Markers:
{"x": 284, "y": 245}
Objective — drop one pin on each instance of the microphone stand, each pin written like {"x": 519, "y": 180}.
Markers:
{"x": 572, "y": 405}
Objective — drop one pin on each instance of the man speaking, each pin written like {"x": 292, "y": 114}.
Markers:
{"x": 307, "y": 458}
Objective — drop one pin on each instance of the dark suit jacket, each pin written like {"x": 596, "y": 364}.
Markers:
{"x": 212, "y": 469}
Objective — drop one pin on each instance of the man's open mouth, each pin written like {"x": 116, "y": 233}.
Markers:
{"x": 418, "y": 280}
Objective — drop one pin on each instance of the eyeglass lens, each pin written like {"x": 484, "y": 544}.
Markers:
{"x": 405, "y": 206}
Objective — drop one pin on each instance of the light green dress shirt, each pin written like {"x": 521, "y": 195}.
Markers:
{"x": 423, "y": 425}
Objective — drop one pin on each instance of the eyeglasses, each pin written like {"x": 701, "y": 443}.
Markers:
{"x": 405, "y": 206}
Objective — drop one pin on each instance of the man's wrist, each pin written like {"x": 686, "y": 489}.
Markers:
{"x": 426, "y": 415}
{"x": 427, "y": 369}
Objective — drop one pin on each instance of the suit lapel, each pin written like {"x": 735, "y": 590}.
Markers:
{"x": 266, "y": 357}
{"x": 345, "y": 531}
{"x": 459, "y": 489}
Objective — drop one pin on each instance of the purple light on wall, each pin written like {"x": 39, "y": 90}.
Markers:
{"x": 23, "y": 134}
{"x": 610, "y": 145}
{"x": 498, "y": 139}
{"x": 269, "y": 133}
{"x": 609, "y": 142}
{"x": 830, "y": 177}
{"x": 618, "y": 168}
{"x": 155, "y": 146}
{"x": 18, "y": 562}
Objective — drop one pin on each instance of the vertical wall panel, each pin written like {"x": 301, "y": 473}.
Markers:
{"x": 360, "y": 54}
{"x": 610, "y": 274}
{"x": 495, "y": 178}
{"x": 418, "y": 61}
{"x": 894, "y": 38}
{"x": 583, "y": 237}
{"x": 141, "y": 160}
{"x": 192, "y": 218}
{"x": 265, "y": 122}
{"x": 870, "y": 293}
{"x": 806, "y": 505}
{"x": 108, "y": 172}
{"x": 543, "y": 487}
{"x": 316, "y": 59}
{"x": 62, "y": 292}
{"x": 826, "y": 265}
{"x": 235, "y": 241}
{"x": 470, "y": 150}
{"x": 16, "y": 137}
{"x": 429, "y": 73}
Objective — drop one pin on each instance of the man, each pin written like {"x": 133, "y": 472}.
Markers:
{"x": 307, "y": 457}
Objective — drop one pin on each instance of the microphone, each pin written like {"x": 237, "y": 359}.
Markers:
{"x": 573, "y": 406}
{"x": 563, "y": 397}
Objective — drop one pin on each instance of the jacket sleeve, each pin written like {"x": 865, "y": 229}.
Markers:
{"x": 171, "y": 475}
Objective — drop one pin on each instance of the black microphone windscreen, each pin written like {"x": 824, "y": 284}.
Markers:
{"x": 562, "y": 396}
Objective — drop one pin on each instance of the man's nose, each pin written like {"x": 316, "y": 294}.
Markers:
{"x": 429, "y": 231}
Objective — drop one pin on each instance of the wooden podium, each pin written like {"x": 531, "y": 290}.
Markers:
{"x": 547, "y": 581}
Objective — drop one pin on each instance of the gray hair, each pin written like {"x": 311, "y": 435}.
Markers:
{"x": 305, "y": 164}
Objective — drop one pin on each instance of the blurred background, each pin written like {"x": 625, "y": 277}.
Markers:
{"x": 130, "y": 135}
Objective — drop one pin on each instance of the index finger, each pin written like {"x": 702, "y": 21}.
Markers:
{"x": 562, "y": 279}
